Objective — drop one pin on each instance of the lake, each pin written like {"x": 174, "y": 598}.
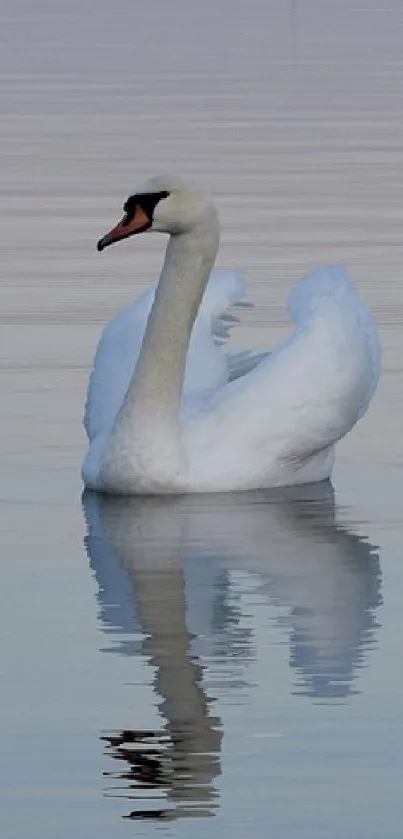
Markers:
{"x": 236, "y": 657}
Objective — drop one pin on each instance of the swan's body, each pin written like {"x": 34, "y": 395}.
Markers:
{"x": 169, "y": 412}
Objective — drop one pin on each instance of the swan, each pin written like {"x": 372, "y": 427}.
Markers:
{"x": 169, "y": 412}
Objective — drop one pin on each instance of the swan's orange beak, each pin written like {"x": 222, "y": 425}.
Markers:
{"x": 137, "y": 223}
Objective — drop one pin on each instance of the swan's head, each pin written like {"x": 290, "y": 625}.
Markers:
{"x": 166, "y": 204}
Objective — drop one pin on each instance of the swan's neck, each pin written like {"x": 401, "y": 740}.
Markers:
{"x": 158, "y": 378}
{"x": 150, "y": 413}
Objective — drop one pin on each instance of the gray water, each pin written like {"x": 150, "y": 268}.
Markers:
{"x": 235, "y": 657}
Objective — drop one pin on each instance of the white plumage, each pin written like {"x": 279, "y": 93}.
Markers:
{"x": 237, "y": 422}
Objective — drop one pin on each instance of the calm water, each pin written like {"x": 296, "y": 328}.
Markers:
{"x": 232, "y": 657}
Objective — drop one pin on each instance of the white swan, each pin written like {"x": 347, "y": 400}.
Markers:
{"x": 169, "y": 412}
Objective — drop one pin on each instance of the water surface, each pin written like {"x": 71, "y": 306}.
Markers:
{"x": 234, "y": 657}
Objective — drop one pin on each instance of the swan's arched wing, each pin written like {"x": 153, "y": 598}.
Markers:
{"x": 115, "y": 359}
{"x": 116, "y": 356}
{"x": 277, "y": 424}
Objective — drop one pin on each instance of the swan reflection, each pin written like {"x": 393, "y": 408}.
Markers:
{"x": 166, "y": 570}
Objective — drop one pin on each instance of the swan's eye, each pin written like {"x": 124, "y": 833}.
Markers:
{"x": 129, "y": 209}
{"x": 147, "y": 201}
